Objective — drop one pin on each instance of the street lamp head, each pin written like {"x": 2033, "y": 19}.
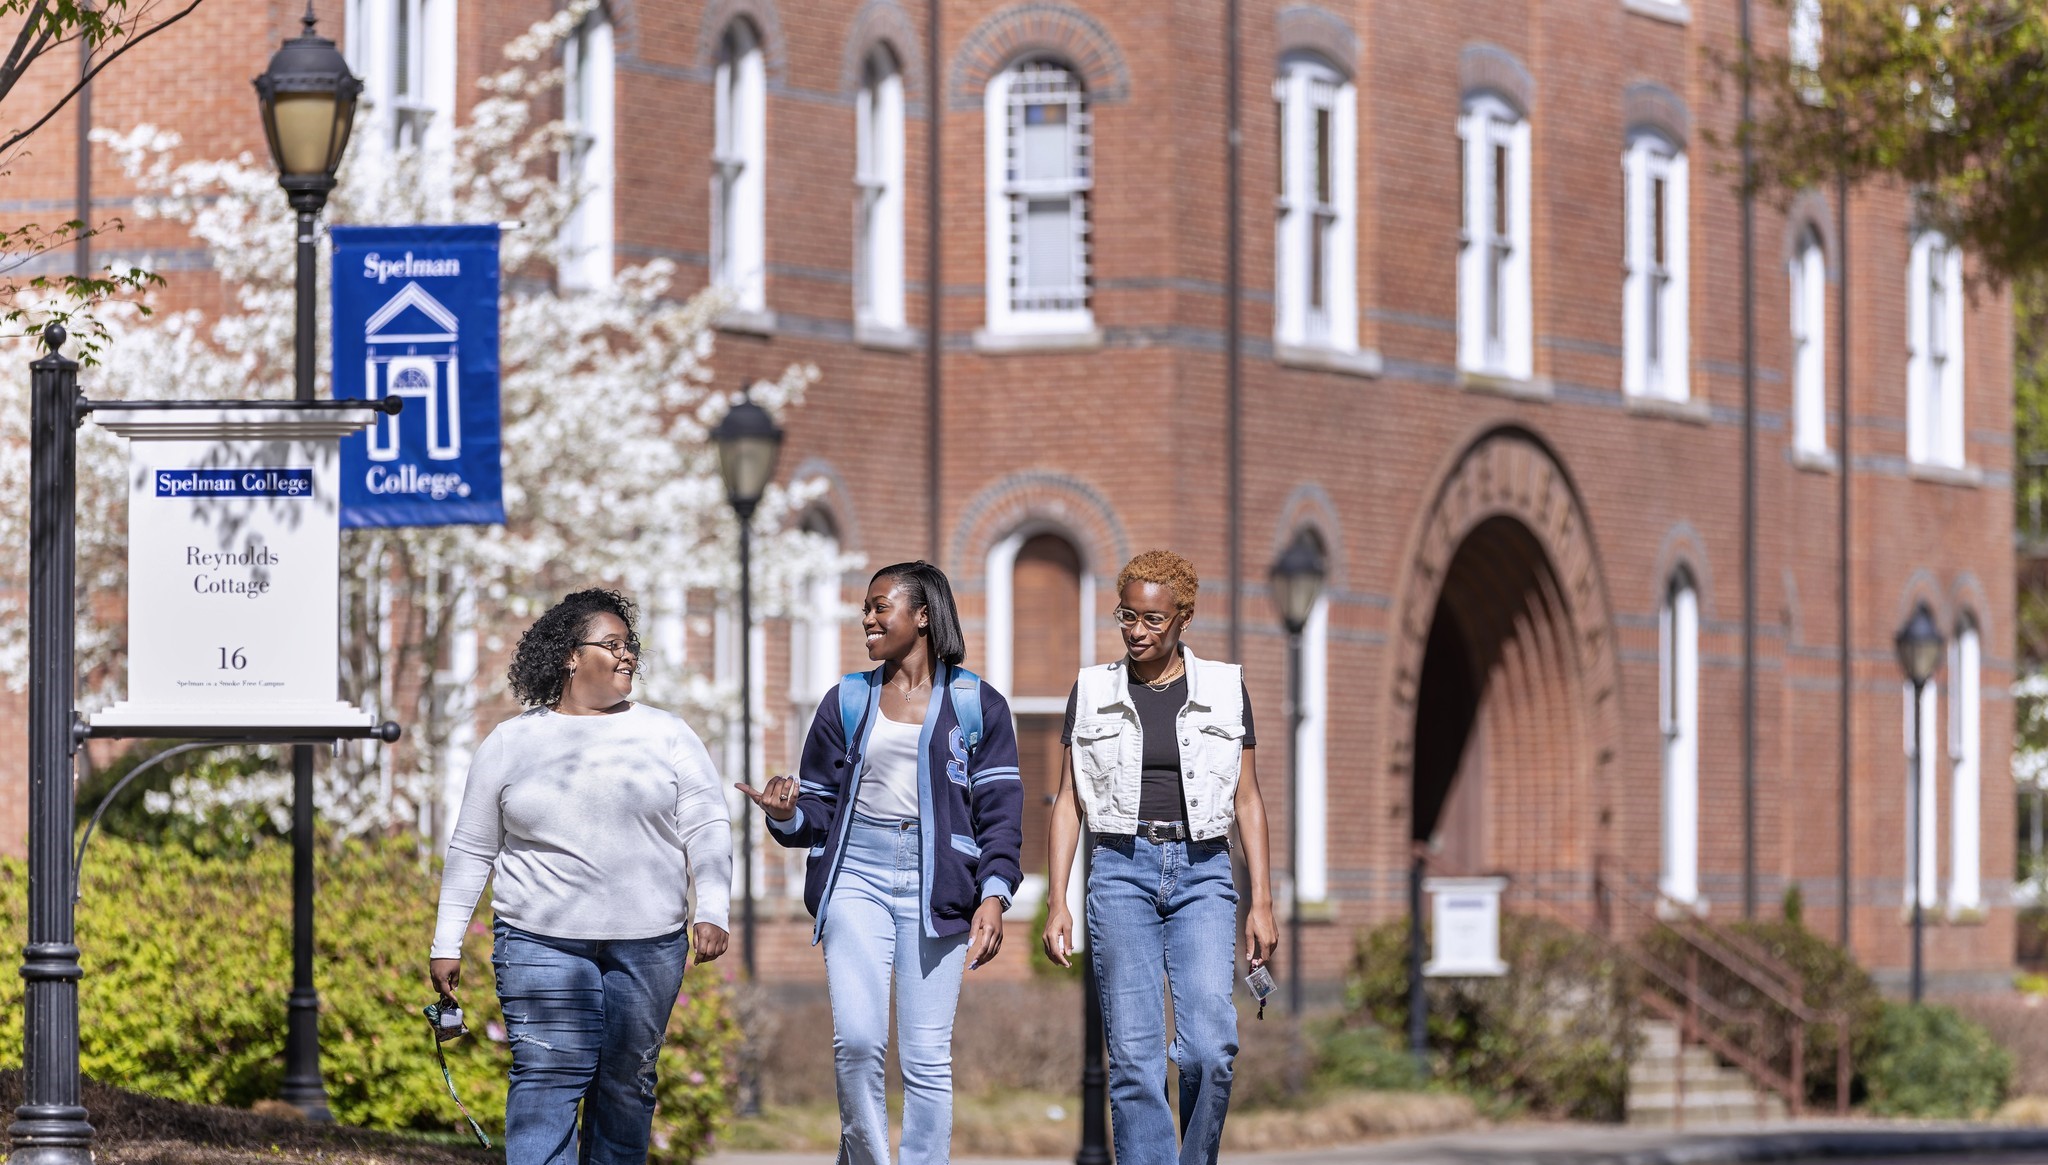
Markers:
{"x": 308, "y": 98}
{"x": 1297, "y": 582}
{"x": 1919, "y": 645}
{"x": 748, "y": 442}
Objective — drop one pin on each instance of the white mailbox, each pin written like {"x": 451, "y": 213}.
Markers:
{"x": 1465, "y": 913}
{"x": 233, "y": 569}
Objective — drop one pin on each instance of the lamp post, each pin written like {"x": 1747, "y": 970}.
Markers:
{"x": 748, "y": 442}
{"x": 1919, "y": 646}
{"x": 1297, "y": 582}
{"x": 308, "y": 99}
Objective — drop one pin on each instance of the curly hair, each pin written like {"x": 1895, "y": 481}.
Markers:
{"x": 540, "y": 664}
{"x": 1167, "y": 569}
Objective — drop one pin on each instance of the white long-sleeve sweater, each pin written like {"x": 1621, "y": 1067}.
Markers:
{"x": 592, "y": 825}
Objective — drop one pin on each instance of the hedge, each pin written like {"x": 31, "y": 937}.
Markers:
{"x": 187, "y": 964}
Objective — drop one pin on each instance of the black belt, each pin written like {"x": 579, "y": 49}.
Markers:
{"x": 1159, "y": 831}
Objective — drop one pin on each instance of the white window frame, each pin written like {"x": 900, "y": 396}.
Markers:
{"x": 1934, "y": 370}
{"x": 815, "y": 665}
{"x": 1930, "y": 753}
{"x": 588, "y": 116}
{"x": 404, "y": 50}
{"x": 1808, "y": 301}
{"x": 739, "y": 161}
{"x": 1965, "y": 756}
{"x": 1315, "y": 252}
{"x": 1678, "y": 719}
{"x": 1656, "y": 349}
{"x": 1009, "y": 200}
{"x": 878, "y": 192}
{"x": 1311, "y": 743}
{"x": 725, "y": 670}
{"x": 1495, "y": 314}
{"x": 1804, "y": 33}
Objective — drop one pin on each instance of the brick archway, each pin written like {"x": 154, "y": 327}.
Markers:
{"x": 1503, "y": 725}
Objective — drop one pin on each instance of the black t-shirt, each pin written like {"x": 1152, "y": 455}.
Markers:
{"x": 1159, "y": 795}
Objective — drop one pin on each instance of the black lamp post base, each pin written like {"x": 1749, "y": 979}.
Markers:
{"x": 50, "y": 1134}
{"x": 303, "y": 1088}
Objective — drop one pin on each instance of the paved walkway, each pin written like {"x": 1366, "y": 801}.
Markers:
{"x": 1839, "y": 1142}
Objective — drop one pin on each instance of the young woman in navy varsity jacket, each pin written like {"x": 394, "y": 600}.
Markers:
{"x": 908, "y": 798}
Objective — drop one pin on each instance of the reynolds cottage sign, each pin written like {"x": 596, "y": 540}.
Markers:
{"x": 233, "y": 569}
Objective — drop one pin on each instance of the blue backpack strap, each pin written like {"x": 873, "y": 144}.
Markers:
{"x": 854, "y": 689}
{"x": 965, "y": 689}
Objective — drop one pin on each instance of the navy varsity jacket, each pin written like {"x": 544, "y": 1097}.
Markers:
{"x": 970, "y": 808}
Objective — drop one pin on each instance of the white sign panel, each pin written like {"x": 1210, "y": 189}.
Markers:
{"x": 233, "y": 569}
{"x": 1466, "y": 918}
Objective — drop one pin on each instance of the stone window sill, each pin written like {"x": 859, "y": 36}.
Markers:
{"x": 1352, "y": 362}
{"x": 1691, "y": 411}
{"x": 1968, "y": 477}
{"x": 748, "y": 321}
{"x": 885, "y": 337}
{"x": 1522, "y": 388}
{"x": 1006, "y": 343}
{"x": 1815, "y": 460}
{"x": 1664, "y": 10}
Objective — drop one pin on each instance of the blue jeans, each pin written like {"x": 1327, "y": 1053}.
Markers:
{"x": 586, "y": 1019}
{"x": 874, "y": 931}
{"x": 1158, "y": 914}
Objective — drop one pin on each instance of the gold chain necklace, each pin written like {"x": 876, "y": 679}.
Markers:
{"x": 1180, "y": 668}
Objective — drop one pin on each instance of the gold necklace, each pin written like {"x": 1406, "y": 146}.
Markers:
{"x": 1180, "y": 668}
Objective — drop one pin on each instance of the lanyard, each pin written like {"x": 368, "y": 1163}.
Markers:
{"x": 449, "y": 1079}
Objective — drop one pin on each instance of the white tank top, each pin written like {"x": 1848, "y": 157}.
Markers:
{"x": 888, "y": 787}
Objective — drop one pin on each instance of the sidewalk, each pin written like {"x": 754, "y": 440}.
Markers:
{"x": 1610, "y": 1145}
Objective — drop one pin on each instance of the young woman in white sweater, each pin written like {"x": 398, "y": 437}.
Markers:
{"x": 593, "y": 813}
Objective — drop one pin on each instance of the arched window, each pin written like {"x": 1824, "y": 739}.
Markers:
{"x": 586, "y": 168}
{"x": 1924, "y": 783}
{"x": 1965, "y": 881}
{"x": 1311, "y": 796}
{"x": 878, "y": 178}
{"x": 1934, "y": 388}
{"x": 739, "y": 160}
{"x": 1041, "y": 167}
{"x": 1809, "y": 303}
{"x": 1655, "y": 335}
{"x": 1494, "y": 311}
{"x": 1678, "y": 715}
{"x": 815, "y": 665}
{"x": 1315, "y": 276}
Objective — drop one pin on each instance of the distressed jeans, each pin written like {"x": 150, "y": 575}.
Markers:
{"x": 874, "y": 932}
{"x": 1163, "y": 914}
{"x": 586, "y": 1019}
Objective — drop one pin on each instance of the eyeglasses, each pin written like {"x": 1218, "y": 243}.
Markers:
{"x": 619, "y": 650}
{"x": 1153, "y": 620}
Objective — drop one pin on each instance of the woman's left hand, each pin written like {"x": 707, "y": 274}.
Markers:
{"x": 1261, "y": 935}
{"x": 987, "y": 933}
{"x": 707, "y": 942}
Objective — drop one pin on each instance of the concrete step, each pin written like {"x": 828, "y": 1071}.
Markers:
{"x": 1714, "y": 1092}
{"x": 1694, "y": 1060}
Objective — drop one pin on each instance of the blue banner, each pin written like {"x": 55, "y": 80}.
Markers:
{"x": 416, "y": 316}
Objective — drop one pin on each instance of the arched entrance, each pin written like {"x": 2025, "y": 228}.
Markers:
{"x": 1504, "y": 727}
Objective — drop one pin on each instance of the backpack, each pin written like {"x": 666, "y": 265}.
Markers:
{"x": 965, "y": 689}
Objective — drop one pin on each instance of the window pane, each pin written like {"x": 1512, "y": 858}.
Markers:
{"x": 1657, "y": 222}
{"x": 1318, "y": 268}
{"x": 1048, "y": 244}
{"x": 1500, "y": 190}
{"x": 1044, "y": 152}
{"x": 1323, "y": 194}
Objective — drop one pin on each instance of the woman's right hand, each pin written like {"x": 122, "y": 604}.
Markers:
{"x": 446, "y": 974}
{"x": 1059, "y": 934}
{"x": 778, "y": 800}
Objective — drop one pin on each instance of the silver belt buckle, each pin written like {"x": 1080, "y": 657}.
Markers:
{"x": 1154, "y": 835}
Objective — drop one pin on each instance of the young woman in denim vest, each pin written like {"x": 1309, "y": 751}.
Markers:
{"x": 1159, "y": 766}
{"x": 914, "y": 822}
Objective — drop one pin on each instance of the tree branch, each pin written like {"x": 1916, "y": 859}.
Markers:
{"x": 109, "y": 59}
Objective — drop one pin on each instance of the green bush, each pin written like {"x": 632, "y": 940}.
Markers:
{"x": 188, "y": 964}
{"x": 1931, "y": 1062}
{"x": 1835, "y": 985}
{"x": 1553, "y": 1034}
{"x": 1365, "y": 1057}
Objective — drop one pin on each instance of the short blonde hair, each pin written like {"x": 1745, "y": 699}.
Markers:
{"x": 1167, "y": 569}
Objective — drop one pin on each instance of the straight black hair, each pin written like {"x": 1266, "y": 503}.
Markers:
{"x": 925, "y": 586}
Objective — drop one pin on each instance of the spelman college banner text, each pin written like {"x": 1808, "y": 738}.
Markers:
{"x": 416, "y": 316}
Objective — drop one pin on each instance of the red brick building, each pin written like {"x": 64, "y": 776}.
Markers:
{"x": 1489, "y": 359}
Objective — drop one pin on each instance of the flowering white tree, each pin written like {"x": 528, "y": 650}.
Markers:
{"x": 607, "y": 397}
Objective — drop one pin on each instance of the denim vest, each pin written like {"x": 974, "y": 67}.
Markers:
{"x": 1109, "y": 747}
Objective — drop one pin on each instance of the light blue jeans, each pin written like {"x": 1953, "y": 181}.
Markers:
{"x": 586, "y": 1018}
{"x": 873, "y": 932}
{"x": 1161, "y": 914}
